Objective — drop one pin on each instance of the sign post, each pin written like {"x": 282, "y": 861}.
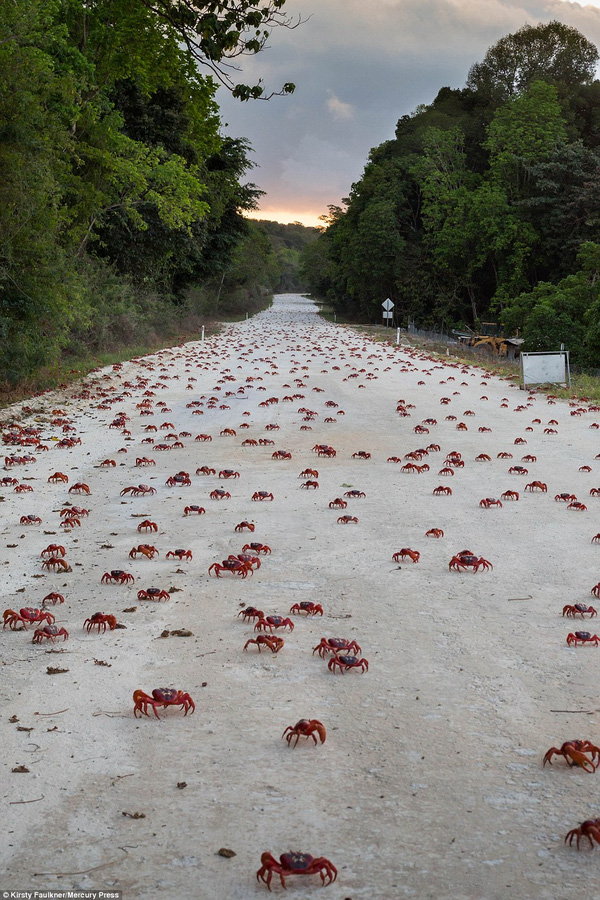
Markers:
{"x": 387, "y": 311}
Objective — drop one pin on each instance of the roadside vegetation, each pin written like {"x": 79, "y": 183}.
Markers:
{"x": 122, "y": 204}
{"x": 485, "y": 206}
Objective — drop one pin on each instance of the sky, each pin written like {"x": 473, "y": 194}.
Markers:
{"x": 358, "y": 66}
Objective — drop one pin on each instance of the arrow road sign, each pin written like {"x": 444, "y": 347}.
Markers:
{"x": 387, "y": 305}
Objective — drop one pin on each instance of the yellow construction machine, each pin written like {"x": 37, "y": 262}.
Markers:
{"x": 490, "y": 339}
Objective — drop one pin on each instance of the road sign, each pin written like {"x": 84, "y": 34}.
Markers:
{"x": 387, "y": 305}
{"x": 388, "y": 315}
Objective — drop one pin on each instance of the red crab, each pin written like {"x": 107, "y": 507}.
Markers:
{"x": 564, "y": 498}
{"x": 180, "y": 554}
{"x": 58, "y": 477}
{"x": 483, "y": 457}
{"x": 161, "y": 697}
{"x": 256, "y": 548}
{"x": 30, "y": 520}
{"x": 273, "y": 642}
{"x": 70, "y": 522}
{"x": 272, "y": 622}
{"x": 435, "y": 533}
{"x": 54, "y": 550}
{"x": 281, "y": 454}
{"x": 347, "y": 520}
{"x": 589, "y": 829}
{"x": 79, "y": 488}
{"x": 245, "y": 526}
{"x": 310, "y": 485}
{"x": 142, "y": 461}
{"x": 488, "y": 502}
{"x": 228, "y": 473}
{"x": 181, "y": 479}
{"x": 56, "y": 564}
{"x": 294, "y": 863}
{"x": 206, "y": 470}
{"x": 510, "y": 495}
{"x": 411, "y": 467}
{"x": 579, "y": 609}
{"x": 361, "y": 454}
{"x": 139, "y": 491}
{"x": 117, "y": 576}
{"x": 347, "y": 662}
{"x": 101, "y": 622}
{"x": 247, "y": 558}
{"x": 537, "y": 486}
{"x": 338, "y": 503}
{"x": 194, "y": 508}
{"x": 220, "y": 494}
{"x": 264, "y": 495}
{"x": 251, "y": 612}
{"x": 233, "y": 565}
{"x": 153, "y": 593}
{"x": 309, "y": 473}
{"x": 146, "y": 550}
{"x": 575, "y": 504}
{"x": 53, "y": 598}
{"x": 308, "y": 607}
{"x": 574, "y": 755}
{"x": 49, "y": 632}
{"x": 305, "y": 728}
{"x": 583, "y": 637}
{"x": 518, "y": 470}
{"x": 442, "y": 489}
{"x": 27, "y": 615}
{"x": 467, "y": 560}
{"x": 406, "y": 553}
{"x": 147, "y": 525}
{"x": 596, "y": 538}
{"x": 71, "y": 511}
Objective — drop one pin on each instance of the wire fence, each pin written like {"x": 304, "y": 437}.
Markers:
{"x": 437, "y": 333}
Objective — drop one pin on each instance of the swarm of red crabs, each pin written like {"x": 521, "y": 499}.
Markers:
{"x": 342, "y": 655}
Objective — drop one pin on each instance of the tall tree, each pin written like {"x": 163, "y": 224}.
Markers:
{"x": 553, "y": 52}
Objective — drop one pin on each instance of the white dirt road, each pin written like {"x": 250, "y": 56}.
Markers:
{"x": 430, "y": 783}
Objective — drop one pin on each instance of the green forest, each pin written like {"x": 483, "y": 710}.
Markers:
{"x": 485, "y": 206}
{"x": 121, "y": 202}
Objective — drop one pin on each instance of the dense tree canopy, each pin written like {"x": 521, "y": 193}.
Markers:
{"x": 485, "y": 205}
{"x": 553, "y": 52}
{"x": 118, "y": 192}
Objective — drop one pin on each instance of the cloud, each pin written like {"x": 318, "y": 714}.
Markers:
{"x": 338, "y": 109}
{"x": 358, "y": 66}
